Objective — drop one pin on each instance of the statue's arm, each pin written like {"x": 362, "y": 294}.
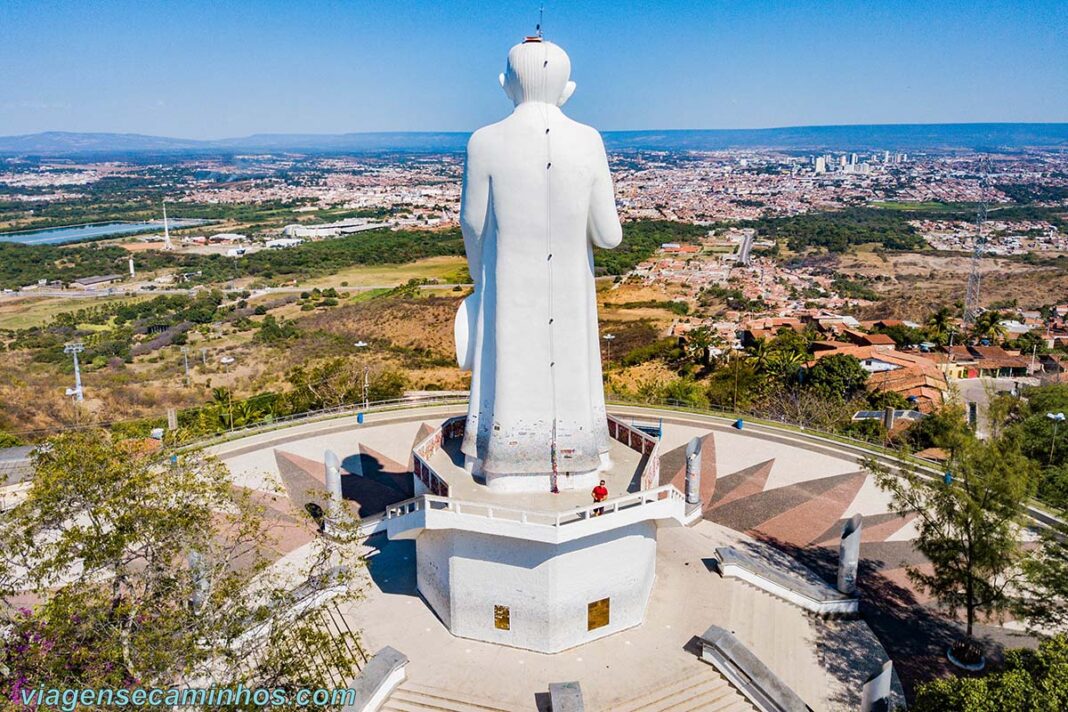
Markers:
{"x": 474, "y": 203}
{"x": 602, "y": 224}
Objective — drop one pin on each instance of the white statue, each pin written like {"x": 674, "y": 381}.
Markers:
{"x": 537, "y": 196}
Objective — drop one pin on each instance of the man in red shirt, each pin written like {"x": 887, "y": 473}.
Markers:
{"x": 600, "y": 494}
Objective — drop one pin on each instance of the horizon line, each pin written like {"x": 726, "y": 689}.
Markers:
{"x": 462, "y": 131}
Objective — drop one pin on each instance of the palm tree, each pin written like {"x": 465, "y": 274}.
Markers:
{"x": 699, "y": 346}
{"x": 783, "y": 363}
{"x": 759, "y": 353}
{"x": 988, "y": 326}
{"x": 940, "y": 324}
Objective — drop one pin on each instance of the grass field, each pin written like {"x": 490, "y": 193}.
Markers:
{"x": 926, "y": 206}
{"x": 448, "y": 269}
{"x": 23, "y": 313}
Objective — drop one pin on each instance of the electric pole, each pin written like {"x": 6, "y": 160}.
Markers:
{"x": 74, "y": 349}
{"x": 971, "y": 293}
{"x": 185, "y": 363}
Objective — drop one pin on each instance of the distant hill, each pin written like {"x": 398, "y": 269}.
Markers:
{"x": 893, "y": 137}
{"x": 64, "y": 142}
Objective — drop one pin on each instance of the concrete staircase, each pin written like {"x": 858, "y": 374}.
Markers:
{"x": 702, "y": 689}
{"x": 410, "y": 697}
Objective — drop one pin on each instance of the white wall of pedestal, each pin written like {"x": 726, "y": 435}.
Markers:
{"x": 547, "y": 587}
{"x": 542, "y": 482}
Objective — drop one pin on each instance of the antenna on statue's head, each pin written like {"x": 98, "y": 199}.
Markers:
{"x": 536, "y": 37}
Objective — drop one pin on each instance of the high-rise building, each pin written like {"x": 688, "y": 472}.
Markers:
{"x": 821, "y": 164}
{"x": 853, "y": 159}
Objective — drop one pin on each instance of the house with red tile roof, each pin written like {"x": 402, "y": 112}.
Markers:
{"x": 918, "y": 379}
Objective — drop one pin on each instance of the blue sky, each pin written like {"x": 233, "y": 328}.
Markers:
{"x": 216, "y": 69}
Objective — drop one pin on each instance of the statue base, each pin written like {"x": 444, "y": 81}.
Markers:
{"x": 537, "y": 481}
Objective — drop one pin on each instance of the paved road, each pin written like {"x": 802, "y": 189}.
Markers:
{"x": 137, "y": 291}
{"x": 980, "y": 390}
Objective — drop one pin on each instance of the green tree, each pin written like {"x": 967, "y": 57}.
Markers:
{"x": 1044, "y": 440}
{"x": 272, "y": 331}
{"x": 968, "y": 529}
{"x": 1030, "y": 681}
{"x": 988, "y": 326}
{"x": 150, "y": 571}
{"x": 9, "y": 439}
{"x": 685, "y": 391}
{"x": 735, "y": 383}
{"x": 699, "y": 343}
{"x": 1044, "y": 598}
{"x": 902, "y": 335}
{"x": 783, "y": 364}
{"x": 838, "y": 376}
{"x": 940, "y": 324}
{"x": 946, "y": 428}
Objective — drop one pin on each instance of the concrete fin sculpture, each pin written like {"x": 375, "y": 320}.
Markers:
{"x": 693, "y": 472}
{"x": 849, "y": 554}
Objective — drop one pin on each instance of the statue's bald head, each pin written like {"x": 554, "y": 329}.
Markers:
{"x": 538, "y": 71}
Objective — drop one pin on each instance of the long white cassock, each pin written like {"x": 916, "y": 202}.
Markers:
{"x": 537, "y": 196}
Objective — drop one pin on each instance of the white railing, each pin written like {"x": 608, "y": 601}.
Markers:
{"x": 425, "y": 449}
{"x": 535, "y": 517}
{"x": 641, "y": 442}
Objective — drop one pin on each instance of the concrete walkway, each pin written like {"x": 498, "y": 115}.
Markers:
{"x": 637, "y": 664}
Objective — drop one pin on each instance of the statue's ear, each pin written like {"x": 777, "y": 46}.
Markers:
{"x": 569, "y": 89}
{"x": 504, "y": 85}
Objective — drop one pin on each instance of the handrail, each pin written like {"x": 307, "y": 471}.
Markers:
{"x": 531, "y": 516}
{"x": 647, "y": 445}
{"x": 223, "y": 436}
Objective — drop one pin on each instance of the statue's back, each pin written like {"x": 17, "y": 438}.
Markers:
{"x": 537, "y": 196}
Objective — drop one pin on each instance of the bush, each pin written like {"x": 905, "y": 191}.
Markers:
{"x": 1030, "y": 680}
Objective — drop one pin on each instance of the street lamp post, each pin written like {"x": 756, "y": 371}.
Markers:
{"x": 366, "y": 376}
{"x": 608, "y": 338}
{"x": 1057, "y": 419}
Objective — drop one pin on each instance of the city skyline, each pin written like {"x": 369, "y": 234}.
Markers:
{"x": 210, "y": 72}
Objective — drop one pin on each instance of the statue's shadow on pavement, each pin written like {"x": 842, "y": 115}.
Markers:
{"x": 391, "y": 565}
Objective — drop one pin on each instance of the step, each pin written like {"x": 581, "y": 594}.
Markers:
{"x": 734, "y": 702}
{"x": 413, "y": 698}
{"x": 698, "y": 698}
{"x": 669, "y": 695}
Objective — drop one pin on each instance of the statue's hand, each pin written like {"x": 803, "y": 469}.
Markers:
{"x": 462, "y": 330}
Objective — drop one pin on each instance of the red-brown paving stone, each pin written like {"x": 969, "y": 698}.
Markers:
{"x": 900, "y": 577}
{"x": 741, "y": 484}
{"x": 275, "y": 501}
{"x": 296, "y": 472}
{"x": 673, "y": 467}
{"x": 891, "y": 554}
{"x": 907, "y": 520}
{"x": 877, "y": 527}
{"x": 749, "y": 513}
{"x": 709, "y": 481}
{"x": 802, "y": 524}
{"x": 370, "y": 496}
{"x": 386, "y": 464}
{"x": 313, "y": 468}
